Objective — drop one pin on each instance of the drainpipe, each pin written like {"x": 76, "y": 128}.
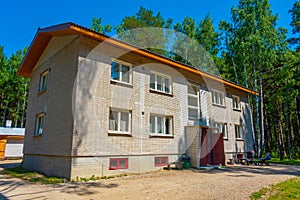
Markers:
{"x": 200, "y": 129}
{"x": 199, "y": 147}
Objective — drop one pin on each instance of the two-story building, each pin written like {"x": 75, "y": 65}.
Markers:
{"x": 99, "y": 106}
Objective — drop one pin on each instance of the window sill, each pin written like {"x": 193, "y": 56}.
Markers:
{"x": 225, "y": 138}
{"x": 117, "y": 168}
{"x": 160, "y": 92}
{"x": 237, "y": 109}
{"x": 219, "y": 105}
{"x": 37, "y": 135}
{"x": 41, "y": 92}
{"x": 161, "y": 165}
{"x": 160, "y": 136}
{"x": 239, "y": 139}
{"x": 123, "y": 134}
{"x": 115, "y": 82}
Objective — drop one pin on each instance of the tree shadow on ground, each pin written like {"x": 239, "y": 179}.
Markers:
{"x": 9, "y": 184}
{"x": 252, "y": 170}
{"x": 10, "y": 165}
{"x": 82, "y": 189}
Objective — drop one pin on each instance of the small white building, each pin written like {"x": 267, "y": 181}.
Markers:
{"x": 11, "y": 142}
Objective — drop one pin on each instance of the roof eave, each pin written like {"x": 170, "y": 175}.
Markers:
{"x": 43, "y": 37}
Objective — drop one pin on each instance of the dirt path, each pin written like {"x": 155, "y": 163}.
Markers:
{"x": 236, "y": 182}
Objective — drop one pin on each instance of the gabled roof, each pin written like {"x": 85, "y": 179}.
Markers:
{"x": 44, "y": 35}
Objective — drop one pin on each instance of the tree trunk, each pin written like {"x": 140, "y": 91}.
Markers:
{"x": 287, "y": 126}
{"x": 292, "y": 136}
{"x": 267, "y": 127}
{"x": 24, "y": 105}
{"x": 256, "y": 111}
{"x": 280, "y": 138}
{"x": 262, "y": 126}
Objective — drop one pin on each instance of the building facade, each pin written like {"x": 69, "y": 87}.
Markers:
{"x": 98, "y": 106}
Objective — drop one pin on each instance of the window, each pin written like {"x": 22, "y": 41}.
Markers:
{"x": 218, "y": 98}
{"x": 161, "y": 83}
{"x": 119, "y": 121}
{"x": 121, "y": 72}
{"x": 160, "y": 161}
{"x": 236, "y": 102}
{"x": 222, "y": 128}
{"x": 161, "y": 124}
{"x": 39, "y": 121}
{"x": 43, "y": 81}
{"x": 118, "y": 163}
{"x": 193, "y": 102}
{"x": 238, "y": 132}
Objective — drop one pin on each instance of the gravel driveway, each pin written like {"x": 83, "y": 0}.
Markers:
{"x": 236, "y": 182}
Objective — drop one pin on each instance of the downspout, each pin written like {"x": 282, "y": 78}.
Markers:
{"x": 200, "y": 130}
{"x": 199, "y": 147}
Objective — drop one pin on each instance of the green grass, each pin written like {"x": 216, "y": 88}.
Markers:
{"x": 285, "y": 161}
{"x": 289, "y": 189}
{"x": 31, "y": 176}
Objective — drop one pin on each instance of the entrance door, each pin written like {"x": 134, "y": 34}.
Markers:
{"x": 212, "y": 148}
{"x": 2, "y": 146}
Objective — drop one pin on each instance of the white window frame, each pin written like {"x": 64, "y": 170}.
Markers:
{"x": 39, "y": 123}
{"x": 236, "y": 101}
{"x": 43, "y": 81}
{"x": 164, "y": 78}
{"x": 222, "y": 128}
{"x": 216, "y": 96}
{"x": 118, "y": 120}
{"x": 163, "y": 120}
{"x": 195, "y": 96}
{"x": 239, "y": 133}
{"x": 120, "y": 73}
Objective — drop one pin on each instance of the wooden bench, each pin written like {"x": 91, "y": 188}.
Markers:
{"x": 177, "y": 165}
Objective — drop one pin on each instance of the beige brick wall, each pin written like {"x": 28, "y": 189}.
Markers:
{"x": 77, "y": 101}
{"x": 61, "y": 57}
{"x": 92, "y": 124}
{"x": 192, "y": 138}
{"x": 49, "y": 165}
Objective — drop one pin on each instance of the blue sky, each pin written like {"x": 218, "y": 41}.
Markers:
{"x": 20, "y": 19}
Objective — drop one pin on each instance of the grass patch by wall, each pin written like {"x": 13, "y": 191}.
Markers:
{"x": 289, "y": 189}
{"x": 31, "y": 176}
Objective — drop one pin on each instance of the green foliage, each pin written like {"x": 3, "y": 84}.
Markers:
{"x": 96, "y": 26}
{"x": 13, "y": 90}
{"x": 257, "y": 195}
{"x": 95, "y": 178}
{"x": 289, "y": 189}
{"x": 144, "y": 29}
{"x": 255, "y": 54}
{"x": 295, "y": 23}
{"x": 197, "y": 45}
{"x": 286, "y": 161}
{"x": 295, "y": 11}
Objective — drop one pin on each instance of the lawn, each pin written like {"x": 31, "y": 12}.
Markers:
{"x": 31, "y": 176}
{"x": 285, "y": 161}
{"x": 289, "y": 189}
